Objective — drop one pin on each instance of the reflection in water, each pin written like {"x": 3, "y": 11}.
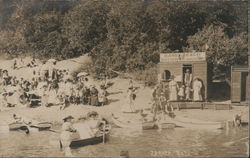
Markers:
{"x": 175, "y": 142}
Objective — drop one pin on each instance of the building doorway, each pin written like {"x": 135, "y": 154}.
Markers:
{"x": 187, "y": 71}
{"x": 243, "y": 85}
{"x": 166, "y": 75}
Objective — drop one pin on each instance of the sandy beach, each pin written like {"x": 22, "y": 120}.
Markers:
{"x": 117, "y": 99}
{"x": 117, "y": 96}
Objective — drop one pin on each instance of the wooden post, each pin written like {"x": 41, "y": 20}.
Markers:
{"x": 104, "y": 130}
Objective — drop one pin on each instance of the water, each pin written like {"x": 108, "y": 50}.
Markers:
{"x": 150, "y": 143}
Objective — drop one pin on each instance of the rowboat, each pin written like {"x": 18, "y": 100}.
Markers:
{"x": 193, "y": 123}
{"x": 126, "y": 124}
{"x": 21, "y": 126}
{"x": 140, "y": 125}
{"x": 89, "y": 141}
{"x": 169, "y": 123}
{"x": 75, "y": 141}
{"x": 16, "y": 126}
{"x": 42, "y": 126}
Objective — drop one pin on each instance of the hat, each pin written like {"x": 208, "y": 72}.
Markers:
{"x": 68, "y": 117}
{"x": 92, "y": 113}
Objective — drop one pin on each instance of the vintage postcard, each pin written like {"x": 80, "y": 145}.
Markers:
{"x": 124, "y": 78}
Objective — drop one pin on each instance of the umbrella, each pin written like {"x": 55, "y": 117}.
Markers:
{"x": 52, "y": 60}
{"x": 82, "y": 74}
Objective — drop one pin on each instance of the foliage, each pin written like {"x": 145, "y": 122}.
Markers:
{"x": 125, "y": 36}
{"x": 222, "y": 51}
{"x": 148, "y": 76}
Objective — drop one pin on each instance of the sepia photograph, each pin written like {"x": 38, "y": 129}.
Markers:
{"x": 124, "y": 78}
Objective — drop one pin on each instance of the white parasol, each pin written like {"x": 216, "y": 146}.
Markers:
{"x": 82, "y": 74}
{"x": 52, "y": 60}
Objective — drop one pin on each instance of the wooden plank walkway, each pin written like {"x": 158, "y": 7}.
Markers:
{"x": 201, "y": 105}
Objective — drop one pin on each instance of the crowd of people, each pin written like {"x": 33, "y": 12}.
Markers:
{"x": 50, "y": 86}
{"x": 171, "y": 91}
{"x": 188, "y": 89}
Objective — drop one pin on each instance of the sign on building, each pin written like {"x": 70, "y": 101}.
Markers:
{"x": 182, "y": 57}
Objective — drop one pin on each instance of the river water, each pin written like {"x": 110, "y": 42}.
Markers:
{"x": 149, "y": 143}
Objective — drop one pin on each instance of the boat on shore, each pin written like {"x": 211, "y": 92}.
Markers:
{"x": 21, "y": 126}
{"x": 193, "y": 123}
{"x": 140, "y": 125}
{"x": 126, "y": 124}
{"x": 180, "y": 122}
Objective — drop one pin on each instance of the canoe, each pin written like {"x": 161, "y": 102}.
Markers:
{"x": 170, "y": 123}
{"x": 89, "y": 141}
{"x": 127, "y": 124}
{"x": 42, "y": 126}
{"x": 193, "y": 123}
{"x": 16, "y": 126}
{"x": 134, "y": 125}
{"x": 21, "y": 126}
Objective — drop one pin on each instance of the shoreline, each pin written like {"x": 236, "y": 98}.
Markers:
{"x": 117, "y": 97}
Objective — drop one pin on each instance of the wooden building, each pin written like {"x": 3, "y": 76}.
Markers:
{"x": 176, "y": 64}
{"x": 240, "y": 84}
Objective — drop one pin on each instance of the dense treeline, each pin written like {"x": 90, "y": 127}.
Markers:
{"x": 124, "y": 35}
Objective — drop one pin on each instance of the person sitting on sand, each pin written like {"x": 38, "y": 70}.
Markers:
{"x": 65, "y": 102}
{"x": 237, "y": 120}
{"x": 5, "y": 77}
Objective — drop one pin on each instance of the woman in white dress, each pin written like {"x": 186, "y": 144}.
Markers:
{"x": 52, "y": 97}
{"x": 197, "y": 85}
{"x": 173, "y": 87}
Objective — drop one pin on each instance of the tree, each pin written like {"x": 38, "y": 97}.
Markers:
{"x": 222, "y": 51}
{"x": 84, "y": 26}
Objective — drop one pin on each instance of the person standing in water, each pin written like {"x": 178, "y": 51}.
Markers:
{"x": 66, "y": 134}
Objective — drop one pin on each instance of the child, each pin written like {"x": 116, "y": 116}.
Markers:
{"x": 102, "y": 96}
{"x": 181, "y": 92}
{"x": 187, "y": 92}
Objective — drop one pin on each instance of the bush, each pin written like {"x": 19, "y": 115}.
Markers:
{"x": 148, "y": 76}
